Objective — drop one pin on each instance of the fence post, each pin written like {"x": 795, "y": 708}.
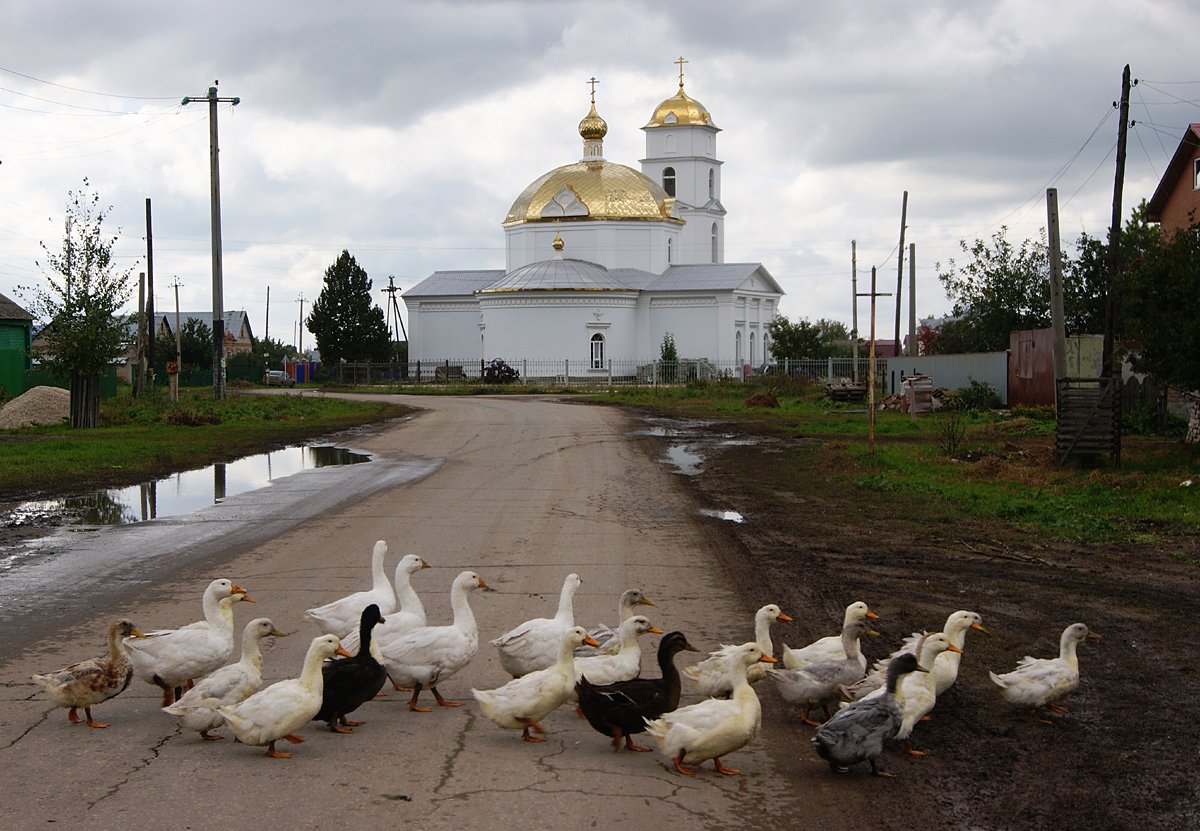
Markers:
{"x": 524, "y": 371}
{"x": 610, "y": 373}
{"x": 566, "y": 372}
{"x": 829, "y": 374}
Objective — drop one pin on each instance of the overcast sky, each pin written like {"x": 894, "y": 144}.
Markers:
{"x": 402, "y": 132}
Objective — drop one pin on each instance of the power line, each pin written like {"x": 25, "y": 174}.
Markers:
{"x": 88, "y": 91}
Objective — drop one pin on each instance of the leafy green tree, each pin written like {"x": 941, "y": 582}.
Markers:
{"x": 1162, "y": 305}
{"x": 1000, "y": 290}
{"x": 345, "y": 322}
{"x": 795, "y": 340}
{"x": 668, "y": 355}
{"x": 84, "y": 293}
{"x": 195, "y": 345}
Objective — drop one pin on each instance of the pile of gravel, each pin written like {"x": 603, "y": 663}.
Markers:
{"x": 40, "y": 405}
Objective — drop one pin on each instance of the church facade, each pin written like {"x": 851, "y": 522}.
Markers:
{"x": 603, "y": 261}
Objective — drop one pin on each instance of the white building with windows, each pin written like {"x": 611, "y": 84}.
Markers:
{"x": 602, "y": 261}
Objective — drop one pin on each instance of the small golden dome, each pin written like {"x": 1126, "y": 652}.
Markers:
{"x": 593, "y": 127}
{"x": 681, "y": 110}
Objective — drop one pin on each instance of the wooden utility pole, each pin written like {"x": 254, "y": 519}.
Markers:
{"x": 900, "y": 269}
{"x": 1057, "y": 316}
{"x": 1112, "y": 306}
{"x": 871, "y": 370}
{"x": 300, "y": 348}
{"x": 218, "y": 332}
{"x": 267, "y": 322}
{"x": 140, "y": 351}
{"x": 854, "y": 309}
{"x": 174, "y": 376}
{"x": 150, "y": 321}
{"x": 912, "y": 299}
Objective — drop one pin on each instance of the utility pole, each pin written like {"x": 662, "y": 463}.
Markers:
{"x": 174, "y": 376}
{"x": 300, "y": 348}
{"x": 871, "y": 369}
{"x": 912, "y": 299}
{"x": 1057, "y": 317}
{"x": 149, "y": 297}
{"x": 394, "y": 313}
{"x": 854, "y": 309}
{"x": 267, "y": 322}
{"x": 139, "y": 382}
{"x": 900, "y": 270}
{"x": 218, "y": 331}
{"x": 1112, "y": 305}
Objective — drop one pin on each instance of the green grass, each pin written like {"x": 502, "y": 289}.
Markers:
{"x": 1015, "y": 480}
{"x": 143, "y": 438}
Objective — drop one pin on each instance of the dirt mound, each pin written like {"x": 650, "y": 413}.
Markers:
{"x": 40, "y": 405}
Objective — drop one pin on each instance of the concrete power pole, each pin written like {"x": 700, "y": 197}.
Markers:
{"x": 150, "y": 333}
{"x": 912, "y": 299}
{"x": 854, "y": 310}
{"x": 900, "y": 270}
{"x": 218, "y": 332}
{"x": 1057, "y": 317}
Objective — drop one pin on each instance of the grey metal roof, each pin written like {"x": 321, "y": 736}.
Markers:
{"x": 454, "y": 282}
{"x": 9, "y": 310}
{"x": 233, "y": 319}
{"x": 569, "y": 274}
{"x": 558, "y": 275}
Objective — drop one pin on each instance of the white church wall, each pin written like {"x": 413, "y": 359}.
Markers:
{"x": 444, "y": 330}
{"x": 640, "y": 245}
{"x": 692, "y": 321}
{"x": 553, "y": 326}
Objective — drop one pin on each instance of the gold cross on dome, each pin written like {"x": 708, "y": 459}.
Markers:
{"x": 593, "y": 83}
{"x": 681, "y": 62}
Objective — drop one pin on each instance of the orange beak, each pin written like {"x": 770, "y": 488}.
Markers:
{"x": 872, "y": 615}
{"x": 590, "y": 641}
{"x": 979, "y": 628}
{"x": 953, "y": 648}
{"x": 483, "y": 585}
{"x": 767, "y": 659}
{"x": 785, "y": 617}
{"x": 655, "y": 630}
{"x": 341, "y": 650}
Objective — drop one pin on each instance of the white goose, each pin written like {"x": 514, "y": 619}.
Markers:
{"x": 829, "y": 647}
{"x": 945, "y": 668}
{"x": 606, "y": 636}
{"x": 535, "y": 643}
{"x": 523, "y": 702}
{"x": 712, "y": 674}
{"x": 409, "y": 613}
{"x": 1038, "y": 682}
{"x": 424, "y": 656}
{"x": 172, "y": 657}
{"x": 284, "y": 707}
{"x": 342, "y": 616}
{"x": 197, "y": 709}
{"x": 625, "y": 664}
{"x": 716, "y": 727}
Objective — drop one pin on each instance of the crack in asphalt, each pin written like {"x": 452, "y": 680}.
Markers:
{"x": 45, "y": 717}
{"x": 457, "y": 749}
{"x": 155, "y": 752}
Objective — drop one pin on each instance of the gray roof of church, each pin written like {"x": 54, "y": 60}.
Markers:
{"x": 696, "y": 277}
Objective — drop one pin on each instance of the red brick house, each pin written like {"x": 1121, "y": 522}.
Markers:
{"x": 1176, "y": 201}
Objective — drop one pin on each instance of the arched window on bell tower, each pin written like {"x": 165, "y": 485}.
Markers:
{"x": 668, "y": 180}
{"x": 712, "y": 184}
{"x": 714, "y": 242}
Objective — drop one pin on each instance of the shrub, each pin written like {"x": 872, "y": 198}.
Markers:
{"x": 978, "y": 396}
{"x": 498, "y": 372}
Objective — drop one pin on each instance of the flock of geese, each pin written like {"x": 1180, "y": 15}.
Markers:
{"x": 382, "y": 635}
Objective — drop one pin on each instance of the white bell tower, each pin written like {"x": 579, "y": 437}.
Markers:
{"x": 681, "y": 155}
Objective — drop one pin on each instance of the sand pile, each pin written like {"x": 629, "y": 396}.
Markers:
{"x": 40, "y": 405}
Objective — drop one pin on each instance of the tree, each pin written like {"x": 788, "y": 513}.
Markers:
{"x": 195, "y": 345}
{"x": 1162, "y": 305}
{"x": 668, "y": 354}
{"x": 795, "y": 340}
{"x": 1001, "y": 290}
{"x": 84, "y": 332}
{"x": 346, "y": 324}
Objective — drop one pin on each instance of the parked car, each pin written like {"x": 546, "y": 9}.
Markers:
{"x": 279, "y": 378}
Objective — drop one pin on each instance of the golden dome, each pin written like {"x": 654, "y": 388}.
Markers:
{"x": 592, "y": 190}
{"x": 681, "y": 110}
{"x": 593, "y": 127}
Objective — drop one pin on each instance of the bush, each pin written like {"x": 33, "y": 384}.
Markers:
{"x": 978, "y": 396}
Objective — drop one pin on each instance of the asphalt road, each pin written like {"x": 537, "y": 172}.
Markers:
{"x": 523, "y": 491}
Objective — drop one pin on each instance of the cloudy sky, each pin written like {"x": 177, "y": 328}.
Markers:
{"x": 403, "y": 131}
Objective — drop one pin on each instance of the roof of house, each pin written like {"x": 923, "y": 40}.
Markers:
{"x": 9, "y": 310}
{"x": 1177, "y": 167}
{"x": 234, "y": 320}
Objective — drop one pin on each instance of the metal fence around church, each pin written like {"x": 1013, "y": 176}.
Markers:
{"x": 609, "y": 373}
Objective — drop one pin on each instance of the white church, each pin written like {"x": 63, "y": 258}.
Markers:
{"x": 602, "y": 261}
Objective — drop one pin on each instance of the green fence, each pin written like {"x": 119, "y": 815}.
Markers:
{"x": 41, "y": 378}
{"x": 12, "y": 371}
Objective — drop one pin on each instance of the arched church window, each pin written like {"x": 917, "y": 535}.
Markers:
{"x": 670, "y": 143}
{"x": 597, "y": 351}
{"x": 668, "y": 180}
{"x": 669, "y": 246}
{"x": 737, "y": 347}
{"x": 714, "y": 242}
{"x": 712, "y": 183}
{"x": 753, "y": 357}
